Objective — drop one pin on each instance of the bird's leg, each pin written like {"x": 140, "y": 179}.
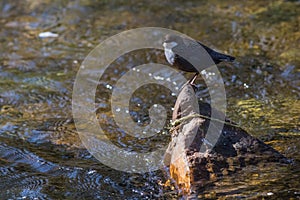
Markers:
{"x": 193, "y": 79}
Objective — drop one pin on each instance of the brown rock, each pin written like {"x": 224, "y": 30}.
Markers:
{"x": 190, "y": 166}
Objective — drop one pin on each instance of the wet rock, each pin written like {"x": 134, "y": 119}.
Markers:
{"x": 194, "y": 161}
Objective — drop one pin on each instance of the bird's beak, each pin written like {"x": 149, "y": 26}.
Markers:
{"x": 167, "y": 41}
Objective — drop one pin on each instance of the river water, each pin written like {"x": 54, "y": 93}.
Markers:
{"x": 41, "y": 155}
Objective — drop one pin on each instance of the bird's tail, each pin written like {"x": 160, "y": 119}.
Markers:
{"x": 218, "y": 57}
{"x": 226, "y": 58}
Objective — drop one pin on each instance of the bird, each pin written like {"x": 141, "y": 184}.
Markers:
{"x": 175, "y": 44}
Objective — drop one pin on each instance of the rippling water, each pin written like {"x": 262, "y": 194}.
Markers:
{"x": 41, "y": 155}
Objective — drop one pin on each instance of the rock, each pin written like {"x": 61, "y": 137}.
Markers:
{"x": 193, "y": 166}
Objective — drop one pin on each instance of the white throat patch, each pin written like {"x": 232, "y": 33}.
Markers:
{"x": 170, "y": 56}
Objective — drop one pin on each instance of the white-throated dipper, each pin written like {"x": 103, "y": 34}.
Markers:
{"x": 186, "y": 46}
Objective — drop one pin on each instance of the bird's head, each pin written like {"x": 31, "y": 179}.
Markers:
{"x": 169, "y": 43}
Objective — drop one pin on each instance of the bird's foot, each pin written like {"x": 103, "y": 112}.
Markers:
{"x": 191, "y": 82}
